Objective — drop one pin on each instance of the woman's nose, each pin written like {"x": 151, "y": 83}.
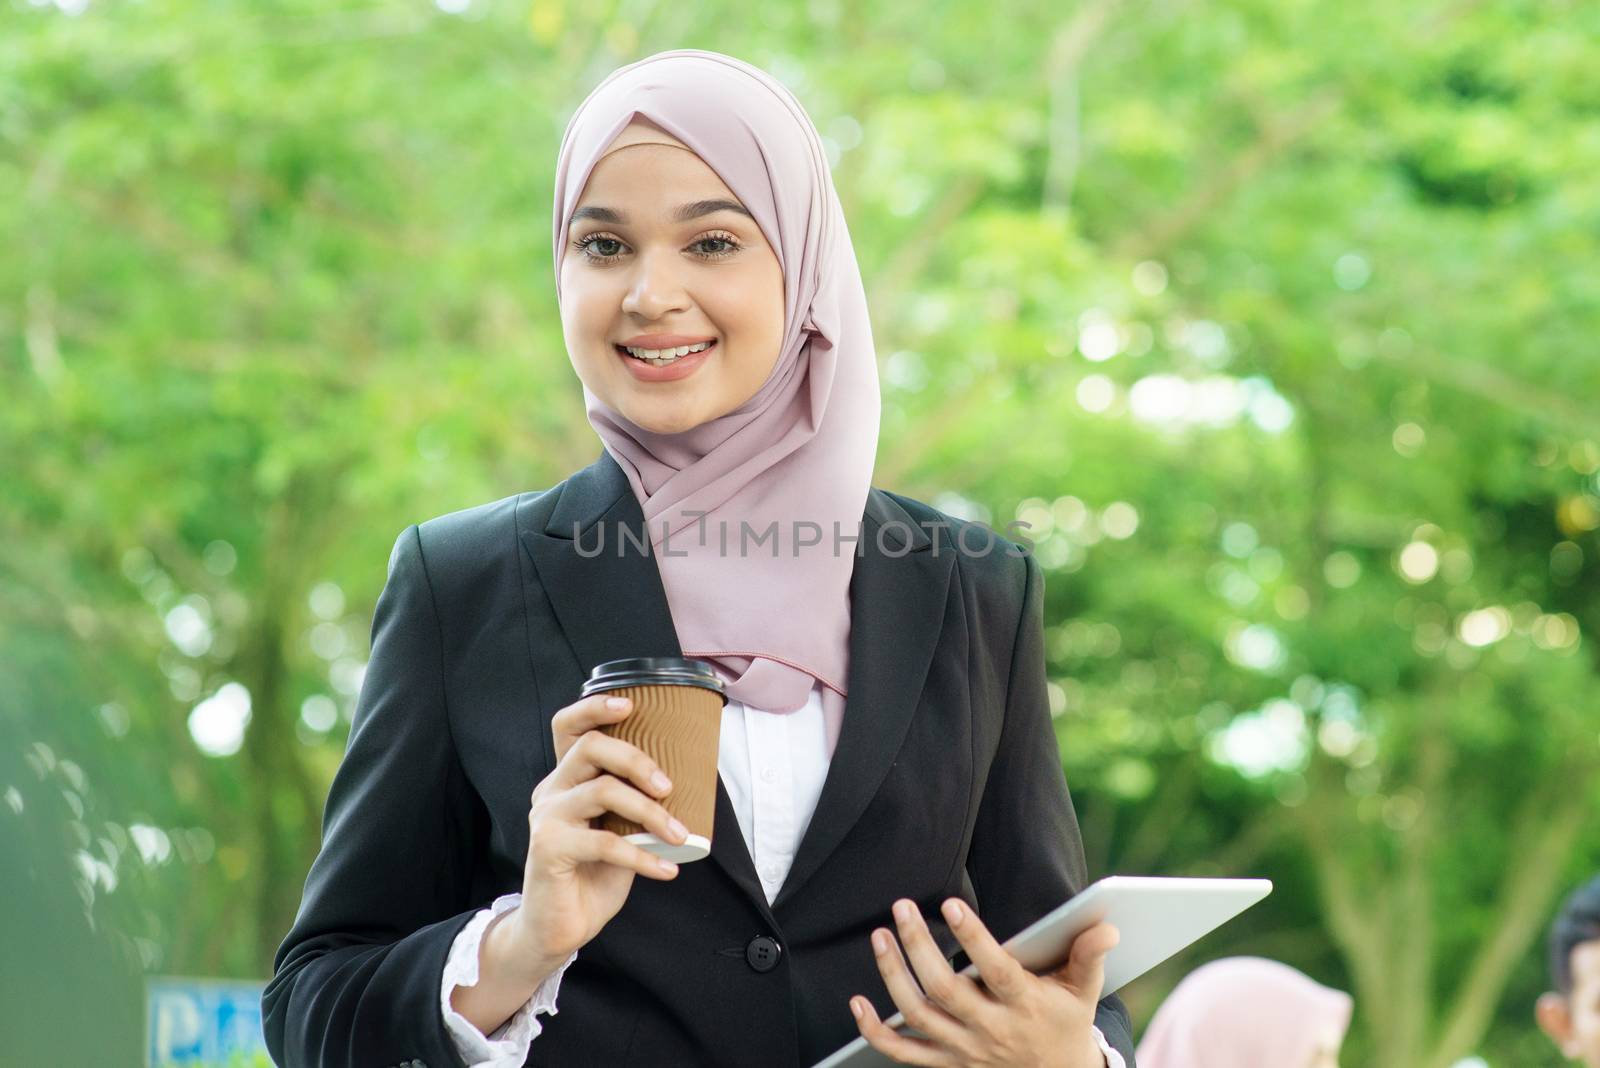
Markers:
{"x": 655, "y": 287}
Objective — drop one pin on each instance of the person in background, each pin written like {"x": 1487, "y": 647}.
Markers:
{"x": 1247, "y": 1012}
{"x": 1570, "y": 1014}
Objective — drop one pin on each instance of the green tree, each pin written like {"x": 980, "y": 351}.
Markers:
{"x": 1271, "y": 320}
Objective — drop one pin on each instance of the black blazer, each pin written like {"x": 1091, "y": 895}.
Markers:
{"x": 946, "y": 781}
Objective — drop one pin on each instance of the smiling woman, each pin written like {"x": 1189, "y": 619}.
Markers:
{"x": 672, "y": 309}
{"x": 715, "y": 314}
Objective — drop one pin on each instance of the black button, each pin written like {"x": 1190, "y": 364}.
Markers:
{"x": 763, "y": 953}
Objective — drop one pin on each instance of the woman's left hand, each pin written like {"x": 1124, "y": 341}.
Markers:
{"x": 1015, "y": 1018}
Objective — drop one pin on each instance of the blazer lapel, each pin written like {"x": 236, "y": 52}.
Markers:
{"x": 897, "y": 600}
{"x": 613, "y": 605}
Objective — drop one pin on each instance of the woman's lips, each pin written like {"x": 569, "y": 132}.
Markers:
{"x": 680, "y": 368}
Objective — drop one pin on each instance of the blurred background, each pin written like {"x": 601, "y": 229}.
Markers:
{"x": 1275, "y": 321}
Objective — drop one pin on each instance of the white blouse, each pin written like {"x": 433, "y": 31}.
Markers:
{"x": 772, "y": 766}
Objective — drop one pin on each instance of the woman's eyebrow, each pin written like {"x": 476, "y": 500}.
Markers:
{"x": 692, "y": 210}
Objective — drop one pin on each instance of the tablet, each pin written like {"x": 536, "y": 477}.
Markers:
{"x": 1156, "y": 917}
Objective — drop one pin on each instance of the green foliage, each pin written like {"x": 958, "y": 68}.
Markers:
{"x": 1273, "y": 320}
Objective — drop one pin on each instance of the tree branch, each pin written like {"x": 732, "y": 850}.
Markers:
{"x": 1276, "y": 138}
{"x": 1548, "y": 832}
{"x": 1505, "y": 390}
{"x": 1064, "y": 59}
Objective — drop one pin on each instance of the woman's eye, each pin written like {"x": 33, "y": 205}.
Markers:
{"x": 732, "y": 245}
{"x": 585, "y": 244}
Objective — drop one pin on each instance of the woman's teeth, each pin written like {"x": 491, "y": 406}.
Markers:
{"x": 662, "y": 357}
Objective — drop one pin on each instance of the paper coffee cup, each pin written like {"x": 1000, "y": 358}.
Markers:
{"x": 677, "y": 720}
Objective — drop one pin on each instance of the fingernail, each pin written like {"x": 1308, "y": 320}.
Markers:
{"x": 902, "y": 912}
{"x": 660, "y": 781}
{"x": 666, "y": 866}
{"x": 678, "y": 830}
{"x": 880, "y": 942}
{"x": 855, "y": 1007}
{"x": 953, "y": 913}
{"x": 617, "y": 702}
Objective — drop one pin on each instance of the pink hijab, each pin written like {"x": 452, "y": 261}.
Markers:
{"x": 1244, "y": 1012}
{"x": 798, "y": 456}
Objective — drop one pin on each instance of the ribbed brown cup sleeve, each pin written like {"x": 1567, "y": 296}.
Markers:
{"x": 680, "y": 727}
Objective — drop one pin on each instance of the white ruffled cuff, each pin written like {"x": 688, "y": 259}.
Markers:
{"x": 1113, "y": 1058}
{"x": 508, "y": 1046}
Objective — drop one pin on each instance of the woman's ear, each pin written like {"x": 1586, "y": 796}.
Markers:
{"x": 1555, "y": 1020}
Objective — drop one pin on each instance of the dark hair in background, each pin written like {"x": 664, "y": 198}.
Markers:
{"x": 1577, "y": 922}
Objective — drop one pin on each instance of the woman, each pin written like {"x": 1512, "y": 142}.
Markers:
{"x": 444, "y": 913}
{"x": 1247, "y": 1012}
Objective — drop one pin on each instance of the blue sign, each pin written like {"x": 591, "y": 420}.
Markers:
{"x": 203, "y": 1022}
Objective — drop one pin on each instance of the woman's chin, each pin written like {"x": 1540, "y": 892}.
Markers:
{"x": 658, "y": 421}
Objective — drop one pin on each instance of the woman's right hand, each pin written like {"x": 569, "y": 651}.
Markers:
{"x": 577, "y": 876}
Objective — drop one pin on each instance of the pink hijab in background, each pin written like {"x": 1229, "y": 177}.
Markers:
{"x": 1244, "y": 1012}
{"x": 801, "y": 450}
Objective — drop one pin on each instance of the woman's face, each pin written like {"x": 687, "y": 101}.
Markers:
{"x": 635, "y": 272}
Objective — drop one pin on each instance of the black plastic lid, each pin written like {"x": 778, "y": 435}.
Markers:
{"x": 653, "y": 671}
